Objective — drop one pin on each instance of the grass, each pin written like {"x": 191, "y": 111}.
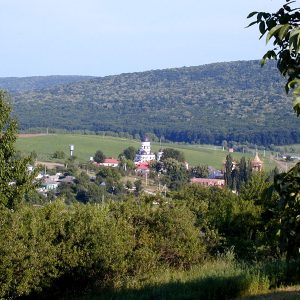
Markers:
{"x": 221, "y": 278}
{"x": 283, "y": 293}
{"x": 87, "y": 145}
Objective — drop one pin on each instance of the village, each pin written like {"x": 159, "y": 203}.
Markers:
{"x": 154, "y": 173}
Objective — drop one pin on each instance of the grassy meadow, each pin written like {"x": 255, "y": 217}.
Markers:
{"x": 87, "y": 145}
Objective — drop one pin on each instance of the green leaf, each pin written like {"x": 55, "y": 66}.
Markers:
{"x": 294, "y": 41}
{"x": 293, "y": 83}
{"x": 259, "y": 16}
{"x": 272, "y": 32}
{"x": 283, "y": 31}
{"x": 269, "y": 55}
{"x": 294, "y": 32}
{"x": 262, "y": 27}
{"x": 252, "y": 23}
{"x": 252, "y": 14}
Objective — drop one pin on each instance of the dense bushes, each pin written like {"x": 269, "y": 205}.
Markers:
{"x": 83, "y": 245}
{"x": 127, "y": 243}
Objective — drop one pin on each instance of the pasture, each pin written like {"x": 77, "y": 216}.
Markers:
{"x": 87, "y": 145}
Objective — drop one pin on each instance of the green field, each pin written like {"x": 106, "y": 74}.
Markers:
{"x": 87, "y": 145}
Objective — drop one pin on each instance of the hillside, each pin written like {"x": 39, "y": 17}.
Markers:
{"x": 21, "y": 84}
{"x": 237, "y": 101}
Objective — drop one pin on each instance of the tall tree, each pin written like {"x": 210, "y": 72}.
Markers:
{"x": 99, "y": 156}
{"x": 172, "y": 153}
{"x": 228, "y": 171}
{"x": 15, "y": 179}
{"x": 129, "y": 153}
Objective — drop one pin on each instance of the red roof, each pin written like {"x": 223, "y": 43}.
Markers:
{"x": 110, "y": 161}
{"x": 142, "y": 167}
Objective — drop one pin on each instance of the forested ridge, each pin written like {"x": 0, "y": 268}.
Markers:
{"x": 21, "y": 84}
{"x": 234, "y": 101}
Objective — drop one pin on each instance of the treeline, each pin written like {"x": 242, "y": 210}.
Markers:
{"x": 237, "y": 101}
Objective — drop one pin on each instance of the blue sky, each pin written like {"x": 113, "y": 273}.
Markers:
{"x": 104, "y": 37}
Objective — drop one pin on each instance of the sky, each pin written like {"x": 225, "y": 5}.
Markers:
{"x": 106, "y": 37}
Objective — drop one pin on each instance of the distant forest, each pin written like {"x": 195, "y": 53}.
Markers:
{"x": 235, "y": 101}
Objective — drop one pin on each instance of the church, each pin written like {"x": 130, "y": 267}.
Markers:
{"x": 144, "y": 154}
{"x": 256, "y": 163}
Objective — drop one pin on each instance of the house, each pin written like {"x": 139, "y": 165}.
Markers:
{"x": 142, "y": 169}
{"x": 51, "y": 182}
{"x": 49, "y": 185}
{"x": 209, "y": 182}
{"x": 68, "y": 179}
{"x": 110, "y": 162}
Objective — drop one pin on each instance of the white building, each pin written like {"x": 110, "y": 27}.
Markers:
{"x": 110, "y": 162}
{"x": 144, "y": 154}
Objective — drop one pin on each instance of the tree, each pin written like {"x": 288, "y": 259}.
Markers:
{"x": 228, "y": 170}
{"x": 176, "y": 175}
{"x": 15, "y": 179}
{"x": 172, "y": 153}
{"x": 129, "y": 153}
{"x": 288, "y": 187}
{"x": 283, "y": 27}
{"x": 99, "y": 156}
{"x": 138, "y": 186}
{"x": 200, "y": 171}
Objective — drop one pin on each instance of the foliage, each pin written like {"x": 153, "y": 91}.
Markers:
{"x": 15, "y": 179}
{"x": 99, "y": 156}
{"x": 138, "y": 186}
{"x": 235, "y": 101}
{"x": 87, "y": 191}
{"x": 228, "y": 171}
{"x": 288, "y": 187}
{"x": 174, "y": 173}
{"x": 283, "y": 27}
{"x": 129, "y": 153}
{"x": 237, "y": 173}
{"x": 227, "y": 220}
{"x": 222, "y": 276}
{"x": 22, "y": 84}
{"x": 59, "y": 246}
{"x": 199, "y": 171}
{"x": 110, "y": 177}
{"x": 172, "y": 153}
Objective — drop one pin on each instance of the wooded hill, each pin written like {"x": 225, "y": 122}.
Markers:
{"x": 21, "y": 84}
{"x": 234, "y": 101}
